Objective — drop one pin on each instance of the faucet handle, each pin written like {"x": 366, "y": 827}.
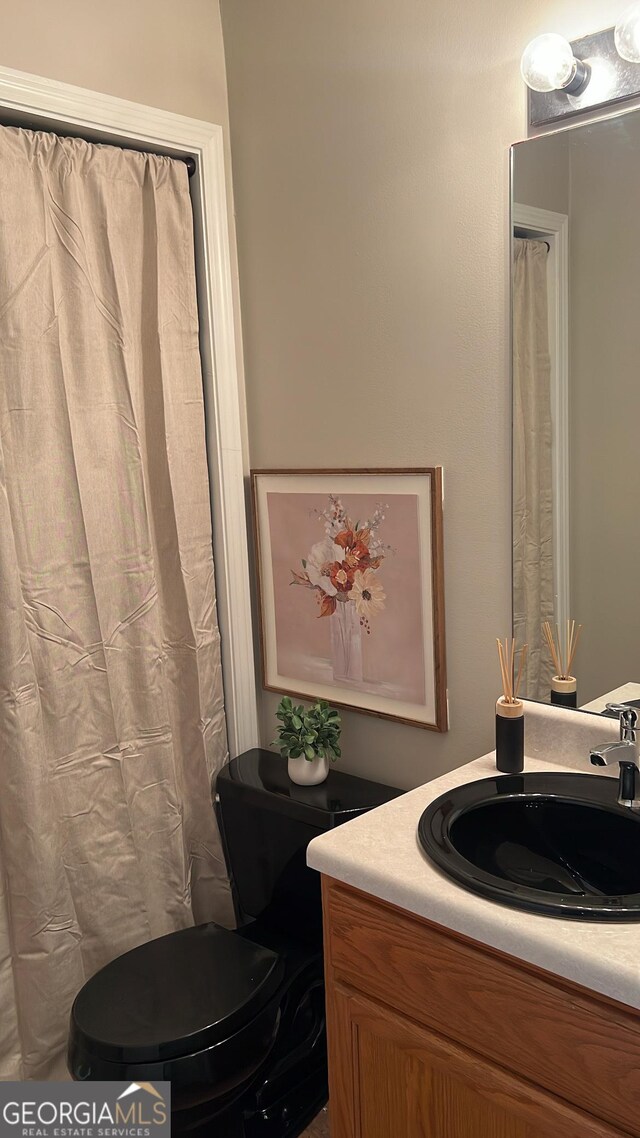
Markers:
{"x": 628, "y": 717}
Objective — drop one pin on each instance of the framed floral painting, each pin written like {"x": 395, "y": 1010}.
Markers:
{"x": 350, "y": 572}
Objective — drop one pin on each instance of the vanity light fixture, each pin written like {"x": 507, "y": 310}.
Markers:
{"x": 566, "y": 78}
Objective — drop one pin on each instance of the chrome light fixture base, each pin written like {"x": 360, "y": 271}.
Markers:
{"x": 604, "y": 78}
{"x": 580, "y": 78}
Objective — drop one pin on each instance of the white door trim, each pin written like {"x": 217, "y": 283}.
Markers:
{"x": 554, "y": 228}
{"x": 31, "y": 101}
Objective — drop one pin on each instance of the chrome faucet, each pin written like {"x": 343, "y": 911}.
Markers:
{"x": 625, "y": 752}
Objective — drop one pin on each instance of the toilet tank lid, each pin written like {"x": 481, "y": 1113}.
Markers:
{"x": 261, "y": 777}
{"x": 174, "y": 995}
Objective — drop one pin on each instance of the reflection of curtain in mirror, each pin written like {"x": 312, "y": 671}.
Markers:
{"x": 532, "y": 477}
{"x": 111, "y": 712}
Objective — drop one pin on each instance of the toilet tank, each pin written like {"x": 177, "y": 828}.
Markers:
{"x": 267, "y": 822}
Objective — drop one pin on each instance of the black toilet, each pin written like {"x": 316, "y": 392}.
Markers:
{"x": 235, "y": 1020}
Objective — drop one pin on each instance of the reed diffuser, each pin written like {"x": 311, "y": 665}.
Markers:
{"x": 564, "y": 687}
{"x": 510, "y": 710}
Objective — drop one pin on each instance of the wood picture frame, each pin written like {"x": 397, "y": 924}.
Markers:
{"x": 351, "y": 589}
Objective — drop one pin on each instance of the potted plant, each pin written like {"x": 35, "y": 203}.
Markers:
{"x": 308, "y": 738}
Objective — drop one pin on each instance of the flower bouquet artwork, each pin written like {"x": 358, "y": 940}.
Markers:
{"x": 350, "y": 572}
{"x": 343, "y": 572}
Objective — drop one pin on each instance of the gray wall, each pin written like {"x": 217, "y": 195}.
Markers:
{"x": 163, "y": 53}
{"x": 370, "y": 144}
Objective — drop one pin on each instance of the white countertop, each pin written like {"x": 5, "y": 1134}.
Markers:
{"x": 379, "y": 853}
{"x": 618, "y": 695}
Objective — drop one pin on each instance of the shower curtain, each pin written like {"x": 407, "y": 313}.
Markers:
{"x": 533, "y": 598}
{"x": 111, "y": 709}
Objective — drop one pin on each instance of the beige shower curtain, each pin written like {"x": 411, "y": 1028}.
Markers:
{"x": 533, "y": 599}
{"x": 111, "y": 711}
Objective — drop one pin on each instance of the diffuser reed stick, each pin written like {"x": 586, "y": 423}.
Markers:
{"x": 506, "y": 656}
{"x": 562, "y": 660}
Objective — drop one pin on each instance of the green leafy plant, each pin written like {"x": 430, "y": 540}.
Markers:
{"x": 309, "y": 732}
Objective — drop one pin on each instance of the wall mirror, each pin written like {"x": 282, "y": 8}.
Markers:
{"x": 575, "y": 215}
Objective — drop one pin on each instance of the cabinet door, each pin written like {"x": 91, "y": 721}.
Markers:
{"x": 391, "y": 1078}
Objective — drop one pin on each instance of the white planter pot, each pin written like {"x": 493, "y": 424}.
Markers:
{"x": 308, "y": 772}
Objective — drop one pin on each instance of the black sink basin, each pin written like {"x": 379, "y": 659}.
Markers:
{"x": 557, "y": 844}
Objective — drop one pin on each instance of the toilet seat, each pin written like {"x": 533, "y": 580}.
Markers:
{"x": 173, "y": 996}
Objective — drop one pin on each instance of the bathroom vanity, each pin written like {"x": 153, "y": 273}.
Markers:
{"x": 451, "y": 1016}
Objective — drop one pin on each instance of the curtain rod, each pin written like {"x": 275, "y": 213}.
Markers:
{"x": 188, "y": 160}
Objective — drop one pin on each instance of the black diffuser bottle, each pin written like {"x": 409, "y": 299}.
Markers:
{"x": 510, "y": 710}
{"x": 510, "y": 736}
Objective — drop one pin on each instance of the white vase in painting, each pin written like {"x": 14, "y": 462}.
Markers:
{"x": 308, "y": 772}
{"x": 346, "y": 643}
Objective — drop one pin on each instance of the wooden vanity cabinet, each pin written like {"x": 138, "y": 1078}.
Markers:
{"x": 432, "y": 1035}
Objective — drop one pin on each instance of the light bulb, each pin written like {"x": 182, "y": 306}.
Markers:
{"x": 548, "y": 64}
{"x": 627, "y": 34}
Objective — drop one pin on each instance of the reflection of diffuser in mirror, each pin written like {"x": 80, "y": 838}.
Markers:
{"x": 510, "y": 710}
{"x": 563, "y": 685}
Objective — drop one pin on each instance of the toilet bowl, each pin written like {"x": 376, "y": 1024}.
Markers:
{"x": 233, "y": 1019}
